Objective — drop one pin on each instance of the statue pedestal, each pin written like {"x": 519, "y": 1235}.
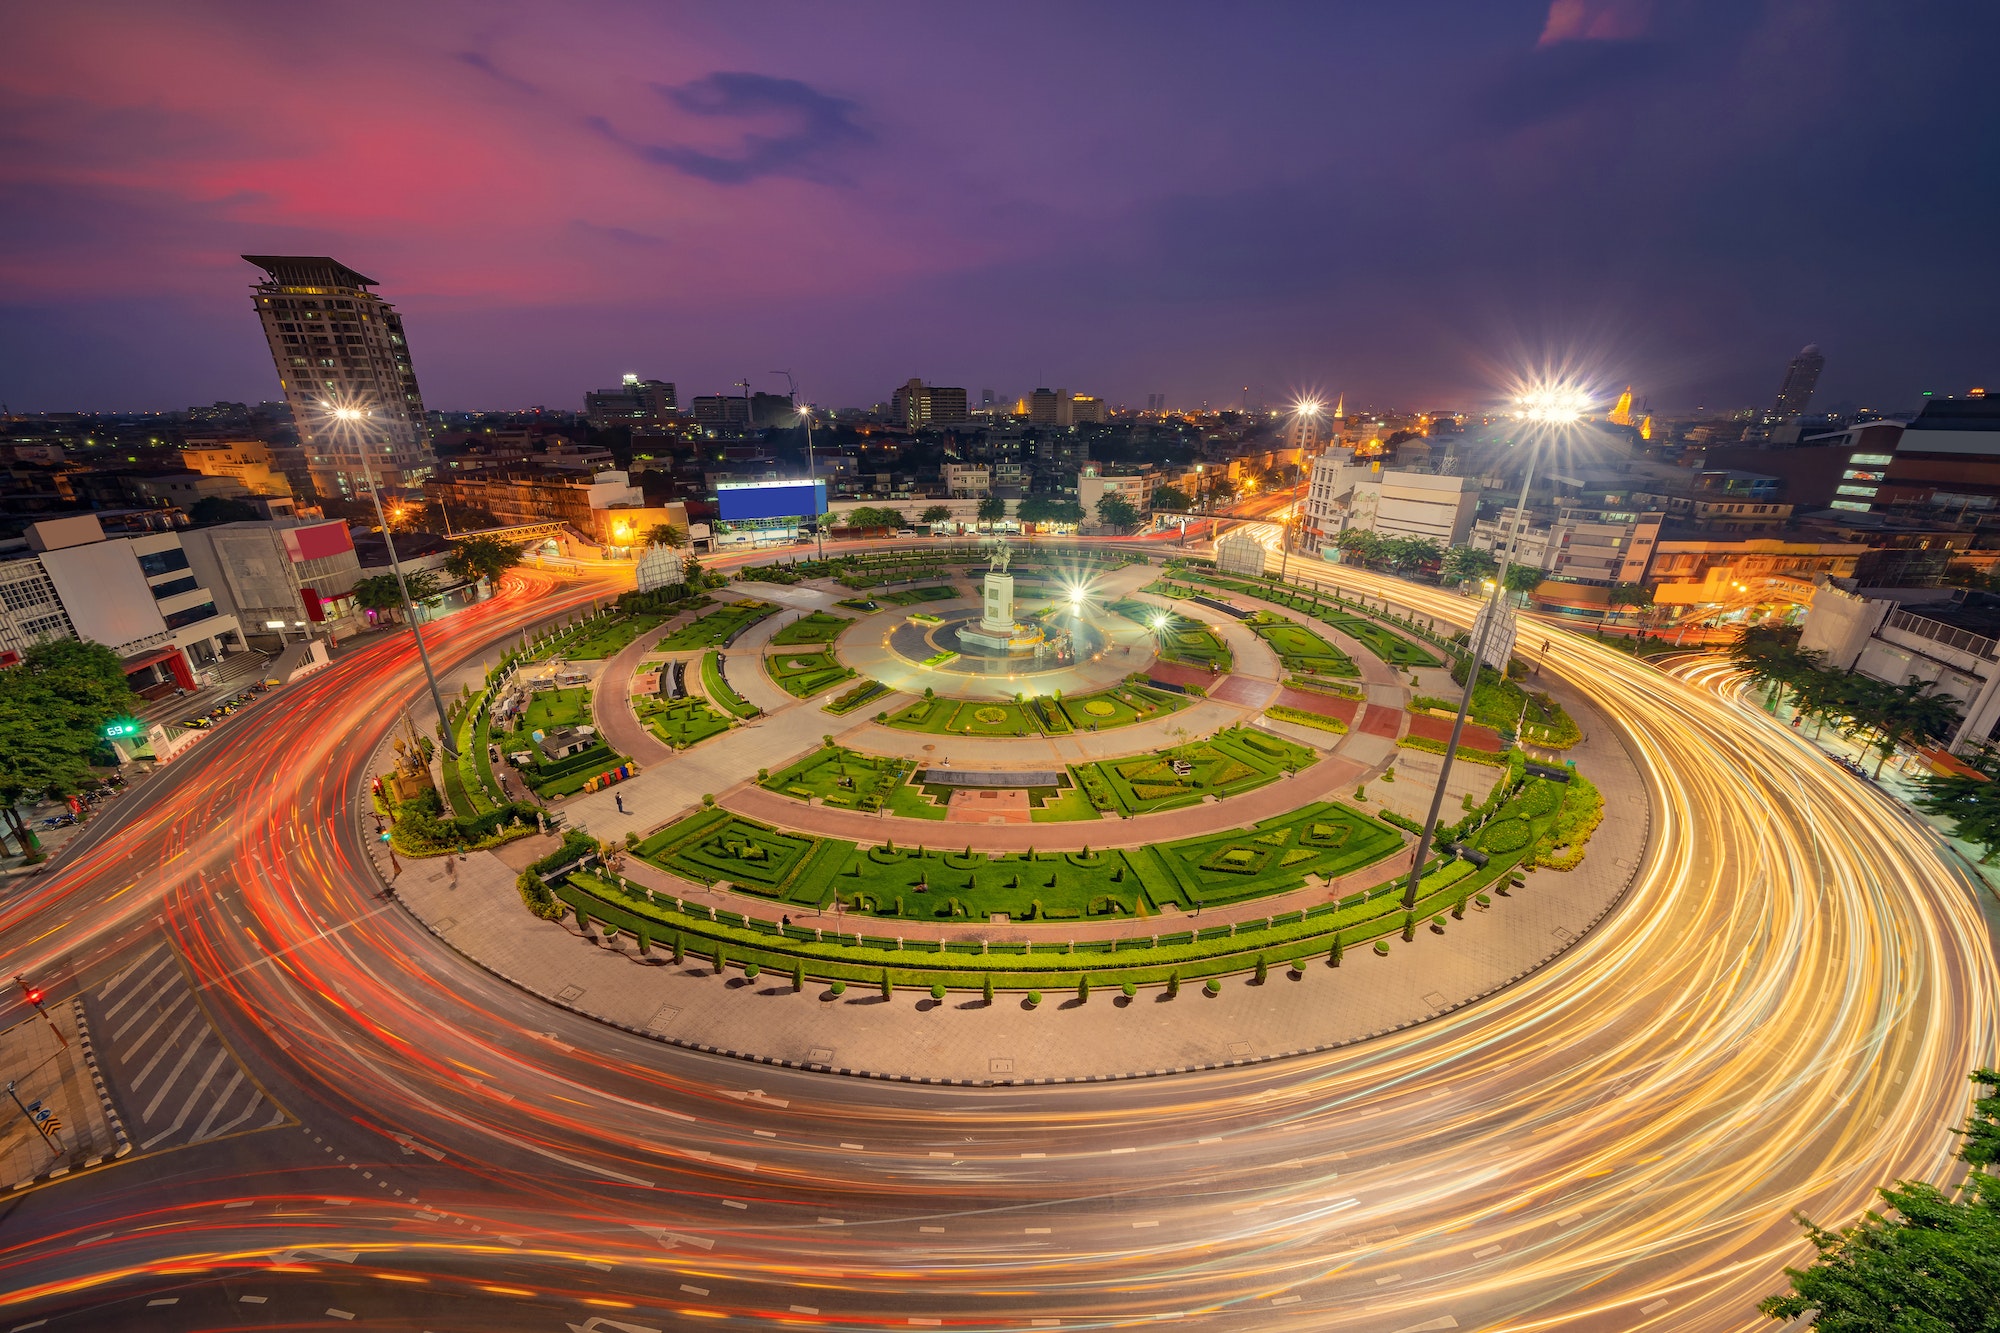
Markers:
{"x": 997, "y": 630}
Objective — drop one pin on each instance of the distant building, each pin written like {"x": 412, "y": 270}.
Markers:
{"x": 721, "y": 411}
{"x": 967, "y": 480}
{"x": 247, "y": 461}
{"x": 1080, "y": 409}
{"x": 30, "y": 610}
{"x": 1092, "y": 486}
{"x": 1945, "y": 462}
{"x": 601, "y": 507}
{"x": 337, "y": 344}
{"x": 1042, "y": 407}
{"x": 916, "y": 404}
{"x": 635, "y": 402}
{"x": 1801, "y": 378}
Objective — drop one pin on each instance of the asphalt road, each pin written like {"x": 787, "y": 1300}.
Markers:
{"x": 1780, "y": 1016}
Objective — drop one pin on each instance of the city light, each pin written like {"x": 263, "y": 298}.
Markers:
{"x": 1308, "y": 407}
{"x": 1555, "y": 404}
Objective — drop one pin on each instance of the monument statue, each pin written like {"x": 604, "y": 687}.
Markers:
{"x": 1002, "y": 553}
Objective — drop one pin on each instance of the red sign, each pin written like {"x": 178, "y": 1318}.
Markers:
{"x": 314, "y": 611}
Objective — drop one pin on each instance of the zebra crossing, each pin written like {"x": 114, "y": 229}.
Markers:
{"x": 176, "y": 1079}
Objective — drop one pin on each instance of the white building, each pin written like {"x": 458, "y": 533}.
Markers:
{"x": 1597, "y": 546}
{"x": 30, "y": 611}
{"x": 1342, "y": 495}
{"x": 1946, "y": 635}
{"x": 137, "y": 596}
{"x": 1092, "y": 486}
{"x": 968, "y": 481}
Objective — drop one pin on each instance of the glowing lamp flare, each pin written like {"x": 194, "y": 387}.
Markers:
{"x": 1556, "y": 405}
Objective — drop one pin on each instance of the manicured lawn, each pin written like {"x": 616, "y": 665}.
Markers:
{"x": 852, "y": 781}
{"x": 550, "y": 709}
{"x": 819, "y": 627}
{"x": 1327, "y": 839}
{"x": 680, "y": 722}
{"x": 1299, "y": 717}
{"x": 805, "y": 673}
{"x": 1299, "y": 649}
{"x": 965, "y": 717}
{"x": 716, "y": 686}
{"x": 1386, "y": 644}
{"x": 606, "y": 636}
{"x": 1231, "y": 761}
{"x": 1194, "y": 644}
{"x": 1066, "y": 804}
{"x": 936, "y": 592}
{"x": 718, "y": 626}
{"x": 1119, "y": 707}
{"x": 716, "y": 845}
{"x": 1505, "y": 705}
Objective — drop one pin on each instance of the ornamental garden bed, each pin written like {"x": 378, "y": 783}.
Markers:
{"x": 848, "y": 780}
{"x": 680, "y": 722}
{"x": 964, "y": 717}
{"x": 607, "y": 636}
{"x": 1385, "y": 643}
{"x": 1301, "y": 650}
{"x": 854, "y": 697}
{"x": 1233, "y": 760}
{"x": 819, "y": 627}
{"x": 715, "y": 684}
{"x": 717, "y": 627}
{"x": 1504, "y": 704}
{"x": 564, "y": 777}
{"x": 550, "y": 709}
{"x": 802, "y": 674}
{"x": 1102, "y": 888}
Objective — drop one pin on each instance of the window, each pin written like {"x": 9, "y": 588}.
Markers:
{"x": 1868, "y": 460}
{"x": 163, "y": 562}
{"x": 1854, "y": 490}
{"x": 187, "y": 583}
{"x": 190, "y": 615}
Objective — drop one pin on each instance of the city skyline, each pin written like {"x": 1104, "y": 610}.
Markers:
{"x": 1656, "y": 193}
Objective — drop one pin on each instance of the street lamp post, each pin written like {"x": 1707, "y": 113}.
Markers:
{"x": 812, "y": 472}
{"x": 1546, "y": 408}
{"x": 345, "y": 419}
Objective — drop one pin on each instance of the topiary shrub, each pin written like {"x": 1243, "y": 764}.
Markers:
{"x": 987, "y": 989}
{"x": 798, "y": 976}
{"x": 1213, "y": 986}
{"x": 1173, "y": 985}
{"x": 1382, "y": 948}
{"x": 838, "y": 988}
{"x": 1034, "y": 998}
{"x": 937, "y": 990}
{"x": 750, "y": 971}
{"x": 1263, "y": 970}
{"x": 1130, "y": 990}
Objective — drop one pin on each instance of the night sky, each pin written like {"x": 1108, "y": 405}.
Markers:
{"x": 1406, "y": 202}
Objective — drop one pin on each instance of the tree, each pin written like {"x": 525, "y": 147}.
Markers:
{"x": 669, "y": 535}
{"x": 53, "y": 708}
{"x": 1934, "y": 1266}
{"x": 1523, "y": 579}
{"x": 1464, "y": 564}
{"x": 992, "y": 509}
{"x": 1172, "y": 499}
{"x": 936, "y": 514}
{"x": 1971, "y": 804}
{"x": 1408, "y": 553}
{"x": 1115, "y": 511}
{"x": 1360, "y": 546}
{"x": 1033, "y": 509}
{"x": 212, "y": 509}
{"x": 378, "y": 592}
{"x": 1629, "y": 594}
{"x": 482, "y": 557}
{"x": 868, "y": 516}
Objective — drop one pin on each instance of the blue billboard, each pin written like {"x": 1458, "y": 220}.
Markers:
{"x": 745, "y": 500}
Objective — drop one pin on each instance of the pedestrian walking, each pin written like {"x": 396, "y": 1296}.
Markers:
{"x": 619, "y": 797}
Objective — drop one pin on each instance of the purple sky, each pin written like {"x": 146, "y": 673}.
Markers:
{"x": 1410, "y": 203}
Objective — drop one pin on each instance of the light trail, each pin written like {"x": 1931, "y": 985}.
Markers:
{"x": 1779, "y": 1016}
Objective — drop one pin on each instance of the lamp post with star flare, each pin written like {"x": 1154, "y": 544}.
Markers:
{"x": 1544, "y": 411}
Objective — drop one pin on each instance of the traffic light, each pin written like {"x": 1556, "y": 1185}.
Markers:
{"x": 33, "y": 994}
{"x": 121, "y": 726}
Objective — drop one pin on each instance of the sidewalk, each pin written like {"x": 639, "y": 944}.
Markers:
{"x": 58, "y": 1076}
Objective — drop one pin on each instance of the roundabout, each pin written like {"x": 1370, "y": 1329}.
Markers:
{"x": 1221, "y": 880}
{"x": 1776, "y": 1015}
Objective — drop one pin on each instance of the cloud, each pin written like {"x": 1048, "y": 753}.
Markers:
{"x": 1595, "y": 21}
{"x": 1568, "y": 76}
{"x": 474, "y": 60}
{"x": 812, "y": 126}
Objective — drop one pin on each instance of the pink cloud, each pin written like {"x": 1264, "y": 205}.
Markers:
{"x": 1595, "y": 21}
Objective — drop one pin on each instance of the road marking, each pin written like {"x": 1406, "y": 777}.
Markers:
{"x": 1153, "y": 1223}
{"x": 1034, "y": 1154}
{"x": 944, "y": 1154}
{"x": 139, "y": 1080}
{"x": 1488, "y": 1252}
{"x": 926, "y": 1323}
{"x": 23, "y": 1328}
{"x": 805, "y": 1309}
{"x": 137, "y": 1014}
{"x": 165, "y": 1300}
{"x": 332, "y": 1313}
{"x": 853, "y": 1147}
{"x": 1038, "y": 1231}
{"x": 1568, "y": 1219}
{"x": 698, "y": 1291}
{"x": 831, "y": 1222}
{"x": 734, "y": 1203}
{"x": 94, "y": 1239}
{"x": 221, "y": 1100}
{"x": 188, "y": 1105}
{"x": 134, "y": 994}
{"x": 935, "y": 1231}
{"x": 1658, "y": 1305}
{"x": 1286, "y": 1300}
{"x": 1202, "y": 1141}
{"x": 240, "y": 1203}
{"x": 1385, "y": 1281}
{"x": 252, "y": 1300}
{"x": 765, "y": 1133}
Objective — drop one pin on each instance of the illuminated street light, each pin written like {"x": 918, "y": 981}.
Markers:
{"x": 344, "y": 417}
{"x": 1550, "y": 408}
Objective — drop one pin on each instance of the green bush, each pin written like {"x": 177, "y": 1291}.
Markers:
{"x": 937, "y": 990}
{"x": 1213, "y": 986}
{"x": 1034, "y": 998}
{"x": 1382, "y": 948}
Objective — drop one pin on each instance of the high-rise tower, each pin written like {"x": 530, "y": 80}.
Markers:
{"x": 337, "y": 344}
{"x": 1800, "y": 379}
